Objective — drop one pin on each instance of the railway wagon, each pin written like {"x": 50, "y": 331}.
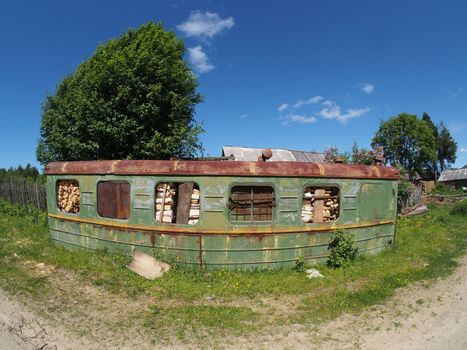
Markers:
{"x": 221, "y": 214}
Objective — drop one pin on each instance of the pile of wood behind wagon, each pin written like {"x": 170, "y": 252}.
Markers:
{"x": 320, "y": 204}
{"x": 177, "y": 203}
{"x": 68, "y": 196}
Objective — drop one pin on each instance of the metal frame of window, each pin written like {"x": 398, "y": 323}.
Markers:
{"x": 251, "y": 203}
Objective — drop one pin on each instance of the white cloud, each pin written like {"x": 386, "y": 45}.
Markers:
{"x": 243, "y": 116}
{"x": 368, "y": 88}
{"x": 302, "y": 119}
{"x": 283, "y": 107}
{"x": 326, "y": 109}
{"x": 457, "y": 127}
{"x": 463, "y": 150}
{"x": 456, "y": 93}
{"x": 310, "y": 101}
{"x": 199, "y": 59}
{"x": 205, "y": 25}
{"x": 332, "y": 111}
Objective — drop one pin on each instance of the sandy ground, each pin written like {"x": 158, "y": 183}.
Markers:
{"x": 429, "y": 315}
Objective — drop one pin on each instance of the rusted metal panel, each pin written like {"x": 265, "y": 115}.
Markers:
{"x": 218, "y": 251}
{"x": 216, "y": 241}
{"x": 223, "y": 168}
{"x": 113, "y": 199}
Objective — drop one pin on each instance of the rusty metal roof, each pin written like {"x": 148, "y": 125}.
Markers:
{"x": 251, "y": 154}
{"x": 453, "y": 175}
{"x": 222, "y": 168}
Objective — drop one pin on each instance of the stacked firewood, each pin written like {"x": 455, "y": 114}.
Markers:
{"x": 68, "y": 196}
{"x": 331, "y": 209}
{"x": 323, "y": 199}
{"x": 194, "y": 207}
{"x": 166, "y": 204}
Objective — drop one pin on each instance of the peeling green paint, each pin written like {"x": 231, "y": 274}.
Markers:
{"x": 241, "y": 245}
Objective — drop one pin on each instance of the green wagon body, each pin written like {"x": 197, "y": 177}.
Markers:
{"x": 367, "y": 210}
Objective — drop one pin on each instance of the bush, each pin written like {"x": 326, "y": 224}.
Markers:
{"x": 27, "y": 211}
{"x": 460, "y": 208}
{"x": 342, "y": 250}
{"x": 446, "y": 190}
{"x": 300, "y": 264}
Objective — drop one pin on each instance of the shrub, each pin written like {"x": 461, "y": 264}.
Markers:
{"x": 342, "y": 250}
{"x": 460, "y": 208}
{"x": 300, "y": 264}
{"x": 27, "y": 211}
{"x": 446, "y": 190}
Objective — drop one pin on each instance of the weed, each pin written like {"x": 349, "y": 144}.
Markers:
{"x": 460, "y": 208}
{"x": 445, "y": 190}
{"x": 425, "y": 249}
{"x": 300, "y": 264}
{"x": 342, "y": 250}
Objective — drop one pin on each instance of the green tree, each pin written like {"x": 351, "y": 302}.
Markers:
{"x": 332, "y": 153}
{"x": 447, "y": 148}
{"x": 133, "y": 99}
{"x": 407, "y": 141}
{"x": 432, "y": 168}
{"x": 362, "y": 155}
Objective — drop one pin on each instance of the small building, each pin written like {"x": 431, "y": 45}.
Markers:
{"x": 456, "y": 178}
{"x": 222, "y": 214}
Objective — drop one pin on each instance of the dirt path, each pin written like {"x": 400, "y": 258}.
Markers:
{"x": 430, "y": 315}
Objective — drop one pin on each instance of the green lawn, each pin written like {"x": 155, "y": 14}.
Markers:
{"x": 426, "y": 247}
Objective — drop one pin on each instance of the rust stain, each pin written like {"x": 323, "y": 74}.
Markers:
{"x": 200, "y": 242}
{"x": 252, "y": 168}
{"x": 114, "y": 166}
{"x": 378, "y": 172}
{"x": 234, "y": 231}
{"x": 223, "y": 168}
{"x": 321, "y": 170}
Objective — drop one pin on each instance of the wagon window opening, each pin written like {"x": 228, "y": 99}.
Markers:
{"x": 177, "y": 203}
{"x": 113, "y": 199}
{"x": 68, "y": 196}
{"x": 251, "y": 203}
{"x": 320, "y": 204}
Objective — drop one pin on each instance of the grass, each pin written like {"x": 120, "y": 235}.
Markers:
{"x": 446, "y": 190}
{"x": 426, "y": 247}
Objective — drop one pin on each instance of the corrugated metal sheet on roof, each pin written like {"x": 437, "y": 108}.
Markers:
{"x": 302, "y": 156}
{"x": 452, "y": 175}
{"x": 251, "y": 154}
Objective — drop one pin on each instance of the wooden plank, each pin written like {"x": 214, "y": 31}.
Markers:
{"x": 319, "y": 206}
{"x": 184, "y": 202}
{"x": 163, "y": 203}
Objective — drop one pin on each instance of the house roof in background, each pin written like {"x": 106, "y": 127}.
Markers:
{"x": 251, "y": 154}
{"x": 452, "y": 175}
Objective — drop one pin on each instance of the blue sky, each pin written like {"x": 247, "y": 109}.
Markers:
{"x": 302, "y": 75}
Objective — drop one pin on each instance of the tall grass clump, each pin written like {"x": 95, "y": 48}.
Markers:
{"x": 460, "y": 208}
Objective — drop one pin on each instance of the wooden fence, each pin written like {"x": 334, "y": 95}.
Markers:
{"x": 24, "y": 192}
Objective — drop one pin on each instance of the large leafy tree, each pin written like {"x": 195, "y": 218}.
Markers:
{"x": 446, "y": 147}
{"x": 432, "y": 168}
{"x": 408, "y": 141}
{"x": 133, "y": 99}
